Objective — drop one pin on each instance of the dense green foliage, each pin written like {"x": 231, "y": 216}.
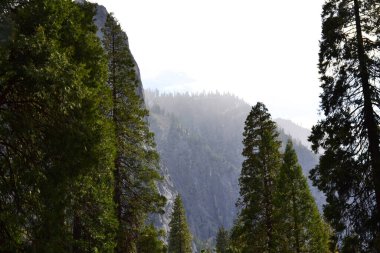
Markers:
{"x": 349, "y": 169}
{"x": 56, "y": 143}
{"x": 299, "y": 225}
{"x": 179, "y": 236}
{"x": 76, "y": 155}
{"x": 136, "y": 163}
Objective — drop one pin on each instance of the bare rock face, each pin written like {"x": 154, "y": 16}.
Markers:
{"x": 165, "y": 188}
{"x": 100, "y": 19}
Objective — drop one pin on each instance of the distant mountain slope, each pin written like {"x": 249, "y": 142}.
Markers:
{"x": 199, "y": 139}
{"x": 199, "y": 173}
{"x": 298, "y": 133}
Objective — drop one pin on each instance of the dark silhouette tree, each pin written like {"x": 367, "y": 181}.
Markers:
{"x": 349, "y": 169}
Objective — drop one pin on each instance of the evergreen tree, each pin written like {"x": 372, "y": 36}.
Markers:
{"x": 149, "y": 241}
{"x": 179, "y": 236}
{"x": 299, "y": 225}
{"x": 222, "y": 240}
{"x": 56, "y": 142}
{"x": 349, "y": 169}
{"x": 136, "y": 163}
{"x": 257, "y": 182}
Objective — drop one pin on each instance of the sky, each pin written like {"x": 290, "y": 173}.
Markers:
{"x": 259, "y": 50}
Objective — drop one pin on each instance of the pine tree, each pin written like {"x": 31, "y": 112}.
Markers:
{"x": 349, "y": 169}
{"x": 149, "y": 241}
{"x": 299, "y": 225}
{"x": 257, "y": 181}
{"x": 179, "y": 235}
{"x": 222, "y": 240}
{"x": 56, "y": 142}
{"x": 136, "y": 163}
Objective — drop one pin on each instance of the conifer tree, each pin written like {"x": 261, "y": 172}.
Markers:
{"x": 149, "y": 241}
{"x": 179, "y": 235}
{"x": 56, "y": 143}
{"x": 222, "y": 240}
{"x": 299, "y": 225}
{"x": 136, "y": 163}
{"x": 257, "y": 182}
{"x": 349, "y": 168}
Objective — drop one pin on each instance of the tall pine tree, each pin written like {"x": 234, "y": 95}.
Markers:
{"x": 257, "y": 182}
{"x": 299, "y": 225}
{"x": 349, "y": 169}
{"x": 179, "y": 235}
{"x": 136, "y": 163}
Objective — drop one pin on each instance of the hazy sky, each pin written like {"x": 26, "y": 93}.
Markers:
{"x": 260, "y": 50}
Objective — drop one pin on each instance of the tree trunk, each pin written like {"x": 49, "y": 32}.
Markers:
{"x": 180, "y": 234}
{"x": 268, "y": 210}
{"x": 295, "y": 216}
{"x": 120, "y": 242}
{"x": 369, "y": 114}
{"x": 77, "y": 233}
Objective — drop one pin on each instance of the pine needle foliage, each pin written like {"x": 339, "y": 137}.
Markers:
{"x": 56, "y": 141}
{"x": 300, "y": 228}
{"x": 179, "y": 235}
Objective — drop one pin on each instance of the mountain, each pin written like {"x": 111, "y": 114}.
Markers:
{"x": 298, "y": 133}
{"x": 199, "y": 139}
{"x": 198, "y": 172}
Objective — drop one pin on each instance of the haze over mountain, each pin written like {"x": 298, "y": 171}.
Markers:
{"x": 212, "y": 52}
{"x": 297, "y": 132}
{"x": 199, "y": 139}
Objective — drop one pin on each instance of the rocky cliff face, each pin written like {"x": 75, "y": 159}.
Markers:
{"x": 165, "y": 188}
{"x": 99, "y": 20}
